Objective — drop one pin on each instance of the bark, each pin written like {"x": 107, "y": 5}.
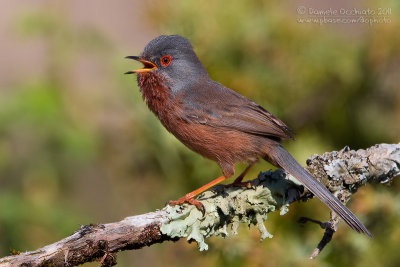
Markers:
{"x": 341, "y": 172}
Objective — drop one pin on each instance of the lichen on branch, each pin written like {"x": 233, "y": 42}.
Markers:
{"x": 342, "y": 172}
{"x": 228, "y": 206}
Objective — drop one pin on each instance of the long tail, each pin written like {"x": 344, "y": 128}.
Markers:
{"x": 278, "y": 155}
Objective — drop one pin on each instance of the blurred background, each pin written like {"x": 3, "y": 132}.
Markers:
{"x": 79, "y": 146}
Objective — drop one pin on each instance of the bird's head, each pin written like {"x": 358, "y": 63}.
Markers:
{"x": 171, "y": 57}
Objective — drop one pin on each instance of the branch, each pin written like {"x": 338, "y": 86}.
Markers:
{"x": 341, "y": 172}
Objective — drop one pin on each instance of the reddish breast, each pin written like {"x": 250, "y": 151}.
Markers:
{"x": 154, "y": 93}
{"x": 221, "y": 145}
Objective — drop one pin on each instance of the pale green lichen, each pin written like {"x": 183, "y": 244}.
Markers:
{"x": 226, "y": 206}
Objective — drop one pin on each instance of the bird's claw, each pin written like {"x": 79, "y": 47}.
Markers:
{"x": 188, "y": 200}
{"x": 248, "y": 185}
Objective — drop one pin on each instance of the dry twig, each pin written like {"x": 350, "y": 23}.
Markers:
{"x": 341, "y": 172}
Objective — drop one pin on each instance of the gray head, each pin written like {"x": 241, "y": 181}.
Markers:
{"x": 171, "y": 57}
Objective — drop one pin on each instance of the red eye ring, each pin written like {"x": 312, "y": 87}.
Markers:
{"x": 166, "y": 61}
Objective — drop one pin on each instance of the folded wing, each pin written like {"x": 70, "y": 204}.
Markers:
{"x": 228, "y": 109}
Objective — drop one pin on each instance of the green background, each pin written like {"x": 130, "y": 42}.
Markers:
{"x": 79, "y": 146}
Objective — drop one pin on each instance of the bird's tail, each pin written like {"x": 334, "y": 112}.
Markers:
{"x": 278, "y": 155}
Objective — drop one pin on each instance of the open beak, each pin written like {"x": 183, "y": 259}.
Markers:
{"x": 148, "y": 65}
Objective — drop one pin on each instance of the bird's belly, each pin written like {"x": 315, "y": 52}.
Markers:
{"x": 219, "y": 144}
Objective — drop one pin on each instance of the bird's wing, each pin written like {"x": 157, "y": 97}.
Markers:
{"x": 218, "y": 106}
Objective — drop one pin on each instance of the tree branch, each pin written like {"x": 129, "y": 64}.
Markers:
{"x": 341, "y": 172}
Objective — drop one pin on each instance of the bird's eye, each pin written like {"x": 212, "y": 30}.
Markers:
{"x": 165, "y": 60}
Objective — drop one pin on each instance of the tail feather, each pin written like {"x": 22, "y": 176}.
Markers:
{"x": 284, "y": 160}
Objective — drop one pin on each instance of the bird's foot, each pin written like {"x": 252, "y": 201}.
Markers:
{"x": 238, "y": 183}
{"x": 190, "y": 200}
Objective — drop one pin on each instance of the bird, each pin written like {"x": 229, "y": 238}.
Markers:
{"x": 217, "y": 122}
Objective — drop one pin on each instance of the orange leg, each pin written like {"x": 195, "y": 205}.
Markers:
{"x": 189, "y": 198}
{"x": 238, "y": 180}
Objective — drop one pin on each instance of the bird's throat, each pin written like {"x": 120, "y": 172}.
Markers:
{"x": 155, "y": 93}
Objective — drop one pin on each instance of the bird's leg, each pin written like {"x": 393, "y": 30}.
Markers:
{"x": 238, "y": 181}
{"x": 189, "y": 198}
